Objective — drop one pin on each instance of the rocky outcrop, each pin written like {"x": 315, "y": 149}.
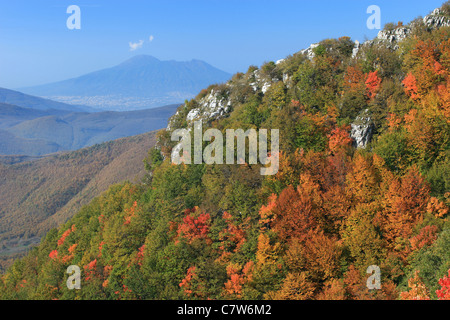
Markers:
{"x": 362, "y": 130}
{"x": 216, "y": 104}
{"x": 213, "y": 106}
{"x": 309, "y": 52}
{"x": 393, "y": 37}
{"x": 436, "y": 19}
{"x": 259, "y": 83}
{"x": 356, "y": 48}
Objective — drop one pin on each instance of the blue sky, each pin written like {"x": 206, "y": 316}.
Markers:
{"x": 36, "y": 46}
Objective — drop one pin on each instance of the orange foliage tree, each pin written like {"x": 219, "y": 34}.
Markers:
{"x": 418, "y": 290}
{"x": 238, "y": 277}
{"x": 322, "y": 254}
{"x": 404, "y": 205}
{"x": 295, "y": 212}
{"x": 296, "y": 286}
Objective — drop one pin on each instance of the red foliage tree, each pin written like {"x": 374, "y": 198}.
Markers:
{"x": 186, "y": 282}
{"x": 130, "y": 213}
{"x": 232, "y": 237}
{"x": 53, "y": 255}
{"x": 65, "y": 235}
{"x": 444, "y": 292}
{"x": 195, "y": 226}
{"x": 373, "y": 84}
{"x": 238, "y": 278}
{"x": 140, "y": 255}
{"x": 90, "y": 269}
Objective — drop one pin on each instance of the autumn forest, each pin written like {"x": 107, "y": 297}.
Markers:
{"x": 310, "y": 231}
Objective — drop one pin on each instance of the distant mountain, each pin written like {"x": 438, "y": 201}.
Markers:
{"x": 32, "y": 132}
{"x": 23, "y": 100}
{"x": 37, "y": 194}
{"x": 140, "y": 82}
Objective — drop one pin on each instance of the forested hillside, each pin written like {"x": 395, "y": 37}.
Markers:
{"x": 37, "y": 194}
{"x": 337, "y": 205}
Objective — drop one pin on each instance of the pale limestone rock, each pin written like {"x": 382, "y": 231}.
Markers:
{"x": 362, "y": 130}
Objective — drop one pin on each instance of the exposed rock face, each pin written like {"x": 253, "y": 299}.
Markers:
{"x": 362, "y": 130}
{"x": 211, "y": 106}
{"x": 356, "y": 48}
{"x": 261, "y": 84}
{"x": 287, "y": 80}
{"x": 216, "y": 105}
{"x": 393, "y": 37}
{"x": 436, "y": 19}
{"x": 192, "y": 115}
{"x": 310, "y": 51}
{"x": 169, "y": 124}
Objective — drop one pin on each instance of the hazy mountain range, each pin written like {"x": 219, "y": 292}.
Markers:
{"x": 32, "y": 125}
{"x": 20, "y": 99}
{"x": 138, "y": 83}
{"x": 35, "y": 126}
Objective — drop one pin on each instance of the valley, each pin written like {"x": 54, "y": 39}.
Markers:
{"x": 40, "y": 193}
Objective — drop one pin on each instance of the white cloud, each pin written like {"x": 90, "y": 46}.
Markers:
{"x": 151, "y": 38}
{"x": 136, "y": 45}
